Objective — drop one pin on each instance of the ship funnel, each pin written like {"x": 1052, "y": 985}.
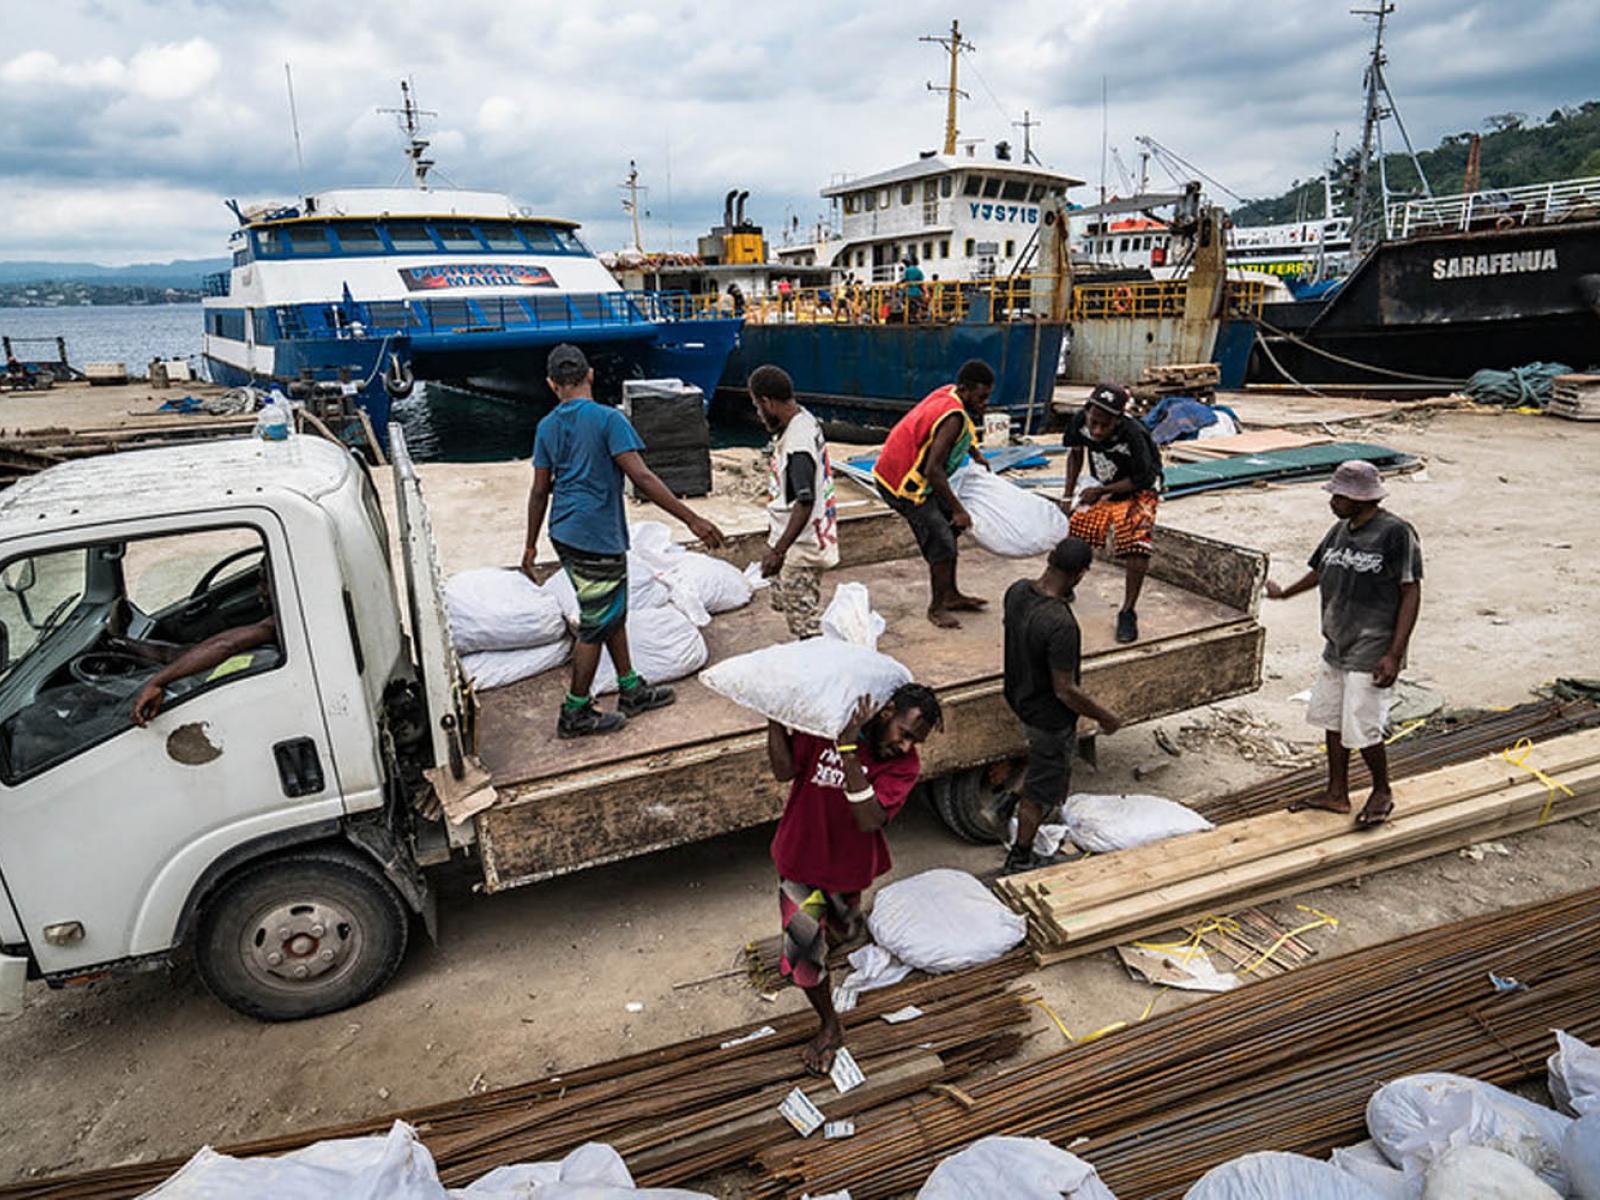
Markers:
{"x": 727, "y": 207}
{"x": 739, "y": 213}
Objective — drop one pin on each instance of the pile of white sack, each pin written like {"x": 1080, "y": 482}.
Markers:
{"x": 398, "y": 1167}
{"x": 1007, "y": 519}
{"x": 1100, "y": 824}
{"x": 508, "y": 628}
{"x": 814, "y": 685}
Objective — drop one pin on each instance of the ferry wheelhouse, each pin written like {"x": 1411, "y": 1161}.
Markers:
{"x": 377, "y": 288}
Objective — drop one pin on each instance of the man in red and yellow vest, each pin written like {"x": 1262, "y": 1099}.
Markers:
{"x": 913, "y": 477}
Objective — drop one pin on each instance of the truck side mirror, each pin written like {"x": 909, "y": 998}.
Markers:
{"x": 19, "y": 577}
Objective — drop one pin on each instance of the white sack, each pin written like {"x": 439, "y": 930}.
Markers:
{"x": 719, "y": 585}
{"x": 593, "y": 1171}
{"x": 1416, "y": 1118}
{"x": 1272, "y": 1175}
{"x": 1101, "y": 824}
{"x": 1006, "y": 519}
{"x": 811, "y": 685}
{"x": 873, "y": 967}
{"x": 1366, "y": 1162}
{"x": 849, "y": 617}
{"x": 497, "y": 668}
{"x": 1478, "y": 1173}
{"x": 493, "y": 608}
{"x": 943, "y": 920}
{"x": 645, "y": 590}
{"x": 1580, "y": 1154}
{"x": 1013, "y": 1168}
{"x": 1574, "y": 1075}
{"x": 1046, "y": 841}
{"x": 664, "y": 645}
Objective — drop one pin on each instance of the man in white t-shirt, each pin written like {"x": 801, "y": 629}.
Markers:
{"x": 802, "y": 523}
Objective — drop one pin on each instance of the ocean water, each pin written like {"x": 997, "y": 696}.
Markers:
{"x": 127, "y": 333}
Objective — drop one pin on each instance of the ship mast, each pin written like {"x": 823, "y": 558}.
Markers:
{"x": 630, "y": 205}
{"x": 1373, "y": 115}
{"x": 955, "y": 44}
{"x": 411, "y": 125}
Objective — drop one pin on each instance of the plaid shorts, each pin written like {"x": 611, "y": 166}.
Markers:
{"x": 601, "y": 584}
{"x": 808, "y": 914}
{"x": 1132, "y": 519}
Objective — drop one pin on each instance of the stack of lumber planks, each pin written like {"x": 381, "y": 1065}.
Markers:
{"x": 1112, "y": 898}
{"x": 1576, "y": 397}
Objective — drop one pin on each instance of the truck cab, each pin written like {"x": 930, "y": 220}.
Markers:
{"x": 261, "y": 816}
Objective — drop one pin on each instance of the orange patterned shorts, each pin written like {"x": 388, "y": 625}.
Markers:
{"x": 1131, "y": 519}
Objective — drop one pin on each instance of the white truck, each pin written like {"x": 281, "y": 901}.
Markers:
{"x": 270, "y": 820}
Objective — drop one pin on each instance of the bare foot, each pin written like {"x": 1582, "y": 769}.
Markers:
{"x": 1334, "y": 802}
{"x": 1377, "y": 809}
{"x": 817, "y": 1054}
{"x": 965, "y": 603}
{"x": 943, "y": 619}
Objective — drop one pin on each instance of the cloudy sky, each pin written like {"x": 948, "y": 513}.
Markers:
{"x": 124, "y": 123}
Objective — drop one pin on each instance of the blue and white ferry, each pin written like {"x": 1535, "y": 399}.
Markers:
{"x": 382, "y": 287}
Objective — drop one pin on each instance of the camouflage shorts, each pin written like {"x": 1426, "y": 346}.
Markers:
{"x": 796, "y": 592}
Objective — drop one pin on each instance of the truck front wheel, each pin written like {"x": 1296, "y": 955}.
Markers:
{"x": 309, "y": 932}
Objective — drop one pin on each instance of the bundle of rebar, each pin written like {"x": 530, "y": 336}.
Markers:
{"x": 680, "y": 1111}
{"x": 1438, "y": 744}
{"x": 1284, "y": 1064}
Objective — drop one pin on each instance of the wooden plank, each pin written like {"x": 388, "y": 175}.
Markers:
{"x": 1220, "y": 571}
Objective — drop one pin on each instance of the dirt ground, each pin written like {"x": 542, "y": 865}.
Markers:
{"x": 539, "y": 979}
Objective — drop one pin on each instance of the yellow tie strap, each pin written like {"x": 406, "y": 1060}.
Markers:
{"x": 1517, "y": 754}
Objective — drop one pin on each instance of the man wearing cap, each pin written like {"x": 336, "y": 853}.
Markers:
{"x": 913, "y": 471}
{"x": 1369, "y": 570}
{"x": 581, "y": 452}
{"x": 1121, "y": 503}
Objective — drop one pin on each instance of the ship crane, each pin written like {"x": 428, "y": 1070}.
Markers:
{"x": 1181, "y": 169}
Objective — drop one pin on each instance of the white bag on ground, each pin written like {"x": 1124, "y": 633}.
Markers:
{"x": 943, "y": 920}
{"x": 1364, "y": 1161}
{"x": 1007, "y": 519}
{"x": 493, "y": 608}
{"x": 1574, "y": 1075}
{"x": 1101, "y": 824}
{"x": 498, "y": 668}
{"x": 849, "y": 617}
{"x": 1272, "y": 1175}
{"x": 1478, "y": 1173}
{"x": 594, "y": 1171}
{"x": 664, "y": 645}
{"x": 1580, "y": 1154}
{"x": 644, "y": 590}
{"x": 720, "y": 585}
{"x": 1012, "y": 1168}
{"x": 811, "y": 686}
{"x": 1416, "y": 1118}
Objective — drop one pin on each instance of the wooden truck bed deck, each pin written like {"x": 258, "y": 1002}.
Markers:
{"x": 699, "y": 768}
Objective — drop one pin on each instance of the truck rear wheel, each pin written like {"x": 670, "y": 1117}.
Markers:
{"x": 303, "y": 934}
{"x": 974, "y": 803}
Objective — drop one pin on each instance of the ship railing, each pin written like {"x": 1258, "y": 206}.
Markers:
{"x": 937, "y": 301}
{"x": 215, "y": 284}
{"x": 1497, "y": 208}
{"x": 490, "y": 314}
{"x": 1156, "y": 299}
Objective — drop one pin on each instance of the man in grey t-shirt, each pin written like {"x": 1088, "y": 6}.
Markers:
{"x": 1368, "y": 568}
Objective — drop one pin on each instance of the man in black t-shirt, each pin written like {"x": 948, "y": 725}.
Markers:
{"x": 1042, "y": 657}
{"x": 1121, "y": 505}
{"x": 1368, "y": 568}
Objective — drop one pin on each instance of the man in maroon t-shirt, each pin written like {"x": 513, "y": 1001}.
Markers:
{"x": 830, "y": 845}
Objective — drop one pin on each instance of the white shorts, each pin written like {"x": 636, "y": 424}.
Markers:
{"x": 1350, "y": 704}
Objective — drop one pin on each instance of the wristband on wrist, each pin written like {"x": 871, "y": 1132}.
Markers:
{"x": 862, "y": 796}
{"x": 846, "y": 747}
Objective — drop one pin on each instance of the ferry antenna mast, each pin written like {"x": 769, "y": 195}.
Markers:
{"x": 1028, "y": 125}
{"x": 411, "y": 124}
{"x": 630, "y": 203}
{"x": 955, "y": 44}
{"x": 294, "y": 124}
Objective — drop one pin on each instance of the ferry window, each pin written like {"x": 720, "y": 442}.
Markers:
{"x": 358, "y": 239}
{"x": 242, "y": 256}
{"x": 410, "y": 235}
{"x": 1036, "y": 193}
{"x": 500, "y": 235}
{"x": 1015, "y": 189}
{"x": 972, "y": 186}
{"x": 227, "y": 323}
{"x": 266, "y": 326}
{"x": 269, "y": 243}
{"x": 944, "y": 248}
{"x": 457, "y": 237}
{"x": 570, "y": 242}
{"x": 1011, "y": 248}
{"x": 1124, "y": 247}
{"x": 849, "y": 203}
{"x": 861, "y": 258}
{"x": 540, "y": 238}
{"x": 308, "y": 239}
{"x": 991, "y": 188}
{"x": 946, "y": 186}
{"x": 930, "y": 190}
{"x": 971, "y": 245}
{"x": 883, "y": 197}
{"x": 927, "y": 251}
{"x": 905, "y": 193}
{"x": 869, "y": 200}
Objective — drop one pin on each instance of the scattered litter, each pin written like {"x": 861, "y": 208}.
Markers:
{"x": 1504, "y": 983}
{"x": 846, "y": 1073}
{"x": 1240, "y": 731}
{"x": 1301, "y": 697}
{"x": 798, "y": 1110}
{"x": 834, "y": 1130}
{"x": 1189, "y": 968}
{"x": 634, "y": 1006}
{"x": 1478, "y": 850}
{"x": 874, "y": 967}
{"x": 755, "y": 1035}
{"x": 909, "y": 1013}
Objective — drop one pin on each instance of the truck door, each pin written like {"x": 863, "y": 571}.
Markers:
{"x": 105, "y": 825}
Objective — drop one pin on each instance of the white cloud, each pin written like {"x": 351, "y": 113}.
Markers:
{"x": 174, "y": 71}
{"x": 498, "y": 114}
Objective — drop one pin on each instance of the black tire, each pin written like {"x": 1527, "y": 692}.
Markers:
{"x": 340, "y": 932}
{"x": 975, "y": 808}
{"x": 939, "y": 796}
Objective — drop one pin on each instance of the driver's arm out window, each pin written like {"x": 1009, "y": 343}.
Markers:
{"x": 69, "y": 682}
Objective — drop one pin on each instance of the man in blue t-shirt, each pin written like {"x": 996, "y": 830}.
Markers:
{"x": 581, "y": 452}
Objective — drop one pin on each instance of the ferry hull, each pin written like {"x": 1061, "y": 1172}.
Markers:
{"x": 870, "y": 375}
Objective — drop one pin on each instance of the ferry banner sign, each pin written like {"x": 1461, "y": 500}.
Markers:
{"x": 441, "y": 276}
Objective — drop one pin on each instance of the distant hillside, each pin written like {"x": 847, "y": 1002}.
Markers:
{"x": 1515, "y": 150}
{"x": 182, "y": 273}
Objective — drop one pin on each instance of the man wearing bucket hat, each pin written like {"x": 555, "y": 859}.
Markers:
{"x": 1369, "y": 570}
